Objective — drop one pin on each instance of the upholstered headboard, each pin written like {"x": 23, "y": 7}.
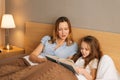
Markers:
{"x": 109, "y": 41}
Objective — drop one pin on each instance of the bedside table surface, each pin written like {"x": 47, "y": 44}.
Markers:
{"x": 13, "y": 52}
{"x": 15, "y": 49}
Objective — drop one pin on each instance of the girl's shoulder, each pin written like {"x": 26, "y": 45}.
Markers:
{"x": 93, "y": 63}
{"x": 80, "y": 59}
{"x": 94, "y": 60}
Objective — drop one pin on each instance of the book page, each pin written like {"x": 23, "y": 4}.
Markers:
{"x": 66, "y": 61}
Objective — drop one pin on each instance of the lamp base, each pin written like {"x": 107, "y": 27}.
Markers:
{"x": 8, "y": 47}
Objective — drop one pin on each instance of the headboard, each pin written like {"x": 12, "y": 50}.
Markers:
{"x": 110, "y": 43}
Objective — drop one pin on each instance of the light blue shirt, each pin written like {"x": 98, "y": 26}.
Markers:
{"x": 63, "y": 51}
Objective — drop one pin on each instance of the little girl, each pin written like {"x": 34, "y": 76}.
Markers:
{"x": 89, "y": 56}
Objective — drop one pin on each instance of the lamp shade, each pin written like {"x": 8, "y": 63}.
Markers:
{"x": 7, "y": 21}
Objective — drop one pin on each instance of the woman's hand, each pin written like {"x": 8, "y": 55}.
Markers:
{"x": 40, "y": 60}
{"x": 36, "y": 59}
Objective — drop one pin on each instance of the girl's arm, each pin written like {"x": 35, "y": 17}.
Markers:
{"x": 90, "y": 76}
{"x": 34, "y": 55}
{"x": 93, "y": 73}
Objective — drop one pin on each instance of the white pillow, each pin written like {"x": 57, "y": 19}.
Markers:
{"x": 118, "y": 76}
{"x": 106, "y": 69}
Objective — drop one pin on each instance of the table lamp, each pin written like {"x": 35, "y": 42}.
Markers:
{"x": 7, "y": 23}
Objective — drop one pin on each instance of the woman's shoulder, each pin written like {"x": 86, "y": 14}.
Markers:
{"x": 74, "y": 45}
{"x": 45, "y": 39}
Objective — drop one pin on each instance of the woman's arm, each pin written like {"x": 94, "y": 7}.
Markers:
{"x": 34, "y": 55}
{"x": 70, "y": 57}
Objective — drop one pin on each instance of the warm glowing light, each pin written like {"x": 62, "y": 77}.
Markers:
{"x": 7, "y": 21}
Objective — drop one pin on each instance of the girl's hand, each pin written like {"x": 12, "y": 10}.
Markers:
{"x": 79, "y": 70}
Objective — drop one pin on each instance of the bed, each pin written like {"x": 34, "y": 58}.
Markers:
{"x": 17, "y": 68}
{"x": 109, "y": 41}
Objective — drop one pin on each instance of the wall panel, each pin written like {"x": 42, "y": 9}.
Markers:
{"x": 2, "y": 10}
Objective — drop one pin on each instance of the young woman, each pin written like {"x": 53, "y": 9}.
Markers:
{"x": 89, "y": 56}
{"x": 61, "y": 44}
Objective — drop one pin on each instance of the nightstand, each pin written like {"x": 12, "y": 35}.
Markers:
{"x": 7, "y": 53}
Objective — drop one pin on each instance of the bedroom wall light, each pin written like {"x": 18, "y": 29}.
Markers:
{"x": 7, "y": 23}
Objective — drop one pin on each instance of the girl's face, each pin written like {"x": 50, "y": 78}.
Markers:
{"x": 85, "y": 49}
{"x": 63, "y": 30}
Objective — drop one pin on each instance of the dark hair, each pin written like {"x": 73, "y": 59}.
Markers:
{"x": 94, "y": 46}
{"x": 69, "y": 39}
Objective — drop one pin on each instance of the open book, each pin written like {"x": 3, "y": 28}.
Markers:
{"x": 67, "y": 63}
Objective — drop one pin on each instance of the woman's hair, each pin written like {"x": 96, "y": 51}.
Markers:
{"x": 95, "y": 50}
{"x": 69, "y": 39}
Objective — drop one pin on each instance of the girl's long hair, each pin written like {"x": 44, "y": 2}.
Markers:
{"x": 95, "y": 50}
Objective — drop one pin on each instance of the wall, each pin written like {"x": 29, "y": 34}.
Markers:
{"x": 101, "y": 15}
{"x": 2, "y": 10}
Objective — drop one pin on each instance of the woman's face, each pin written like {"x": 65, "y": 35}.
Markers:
{"x": 85, "y": 49}
{"x": 63, "y": 30}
